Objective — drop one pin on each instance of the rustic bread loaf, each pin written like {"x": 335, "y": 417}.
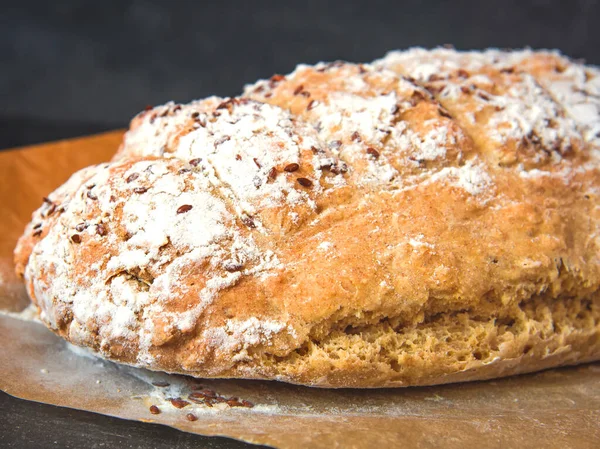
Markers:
{"x": 429, "y": 218}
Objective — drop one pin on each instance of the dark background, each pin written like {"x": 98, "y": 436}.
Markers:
{"x": 71, "y": 67}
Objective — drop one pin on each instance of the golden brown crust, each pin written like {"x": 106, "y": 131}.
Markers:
{"x": 427, "y": 219}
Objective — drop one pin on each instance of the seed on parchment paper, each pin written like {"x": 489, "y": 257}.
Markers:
{"x": 204, "y": 393}
{"x": 179, "y": 403}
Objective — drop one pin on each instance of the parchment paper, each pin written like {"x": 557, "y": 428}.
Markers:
{"x": 557, "y": 408}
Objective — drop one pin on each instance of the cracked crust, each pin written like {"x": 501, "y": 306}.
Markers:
{"x": 430, "y": 218}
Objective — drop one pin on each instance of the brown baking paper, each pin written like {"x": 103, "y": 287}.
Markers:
{"x": 557, "y": 408}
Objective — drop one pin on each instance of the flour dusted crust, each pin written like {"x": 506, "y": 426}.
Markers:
{"x": 429, "y": 218}
{"x": 257, "y": 155}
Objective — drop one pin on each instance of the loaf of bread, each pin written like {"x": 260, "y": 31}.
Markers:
{"x": 431, "y": 217}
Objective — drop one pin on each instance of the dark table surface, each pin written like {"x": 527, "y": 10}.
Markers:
{"x": 25, "y": 424}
